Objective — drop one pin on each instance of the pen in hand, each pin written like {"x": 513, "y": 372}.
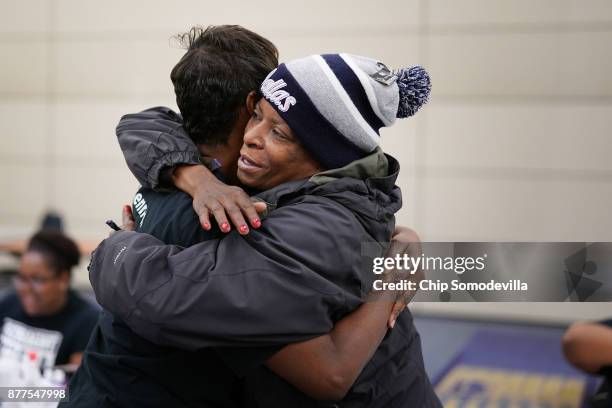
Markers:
{"x": 113, "y": 225}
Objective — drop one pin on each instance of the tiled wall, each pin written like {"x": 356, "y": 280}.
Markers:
{"x": 515, "y": 144}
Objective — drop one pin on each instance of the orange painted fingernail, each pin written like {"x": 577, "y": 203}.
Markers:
{"x": 244, "y": 229}
{"x": 256, "y": 222}
{"x": 225, "y": 227}
{"x": 206, "y": 226}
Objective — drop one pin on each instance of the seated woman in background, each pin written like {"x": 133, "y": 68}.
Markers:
{"x": 43, "y": 319}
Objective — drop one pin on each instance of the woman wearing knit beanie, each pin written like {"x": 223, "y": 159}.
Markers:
{"x": 323, "y": 112}
{"x": 311, "y": 149}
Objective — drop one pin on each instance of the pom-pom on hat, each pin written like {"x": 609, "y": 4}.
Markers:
{"x": 336, "y": 104}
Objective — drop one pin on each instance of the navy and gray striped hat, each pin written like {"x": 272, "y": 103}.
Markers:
{"x": 336, "y": 104}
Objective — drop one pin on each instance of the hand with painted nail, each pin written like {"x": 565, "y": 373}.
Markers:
{"x": 403, "y": 241}
{"x": 229, "y": 205}
{"x": 127, "y": 219}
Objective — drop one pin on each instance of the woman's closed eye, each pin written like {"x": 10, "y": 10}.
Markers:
{"x": 281, "y": 135}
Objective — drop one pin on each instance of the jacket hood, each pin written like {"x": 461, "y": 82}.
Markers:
{"x": 365, "y": 186}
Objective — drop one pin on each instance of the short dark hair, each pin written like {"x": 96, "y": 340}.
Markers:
{"x": 212, "y": 80}
{"x": 61, "y": 252}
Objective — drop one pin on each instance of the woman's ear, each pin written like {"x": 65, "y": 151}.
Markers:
{"x": 64, "y": 279}
{"x": 251, "y": 101}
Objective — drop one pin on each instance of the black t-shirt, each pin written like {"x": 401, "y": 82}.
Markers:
{"x": 169, "y": 217}
{"x": 121, "y": 368}
{"x": 53, "y": 338}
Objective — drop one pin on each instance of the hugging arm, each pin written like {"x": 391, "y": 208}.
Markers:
{"x": 326, "y": 366}
{"x": 153, "y": 142}
{"x": 236, "y": 290}
{"x": 191, "y": 298}
{"x": 160, "y": 154}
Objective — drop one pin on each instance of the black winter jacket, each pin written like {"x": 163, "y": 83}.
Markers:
{"x": 305, "y": 261}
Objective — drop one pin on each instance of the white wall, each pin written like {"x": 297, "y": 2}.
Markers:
{"x": 515, "y": 144}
